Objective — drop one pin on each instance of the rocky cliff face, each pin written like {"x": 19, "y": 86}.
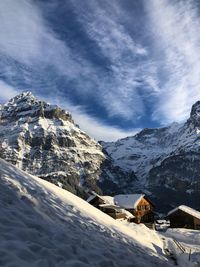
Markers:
{"x": 166, "y": 161}
{"x": 43, "y": 140}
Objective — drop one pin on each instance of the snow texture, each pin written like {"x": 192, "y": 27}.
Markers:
{"x": 189, "y": 240}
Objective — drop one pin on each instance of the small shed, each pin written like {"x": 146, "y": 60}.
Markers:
{"x": 116, "y": 212}
{"x": 138, "y": 205}
{"x": 184, "y": 217}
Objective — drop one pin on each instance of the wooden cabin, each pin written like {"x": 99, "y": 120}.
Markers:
{"x": 106, "y": 204}
{"x": 138, "y": 205}
{"x": 184, "y": 217}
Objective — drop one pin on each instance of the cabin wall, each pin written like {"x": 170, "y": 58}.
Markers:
{"x": 143, "y": 212}
{"x": 196, "y": 224}
{"x": 113, "y": 213}
{"x": 180, "y": 219}
{"x": 96, "y": 202}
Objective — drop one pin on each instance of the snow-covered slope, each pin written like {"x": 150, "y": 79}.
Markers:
{"x": 44, "y": 225}
{"x": 43, "y": 140}
{"x": 165, "y": 158}
{"x": 189, "y": 241}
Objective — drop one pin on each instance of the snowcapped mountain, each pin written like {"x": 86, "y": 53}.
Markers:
{"x": 166, "y": 161}
{"x": 44, "y": 225}
{"x": 43, "y": 140}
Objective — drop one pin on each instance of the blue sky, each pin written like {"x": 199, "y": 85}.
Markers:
{"x": 117, "y": 65}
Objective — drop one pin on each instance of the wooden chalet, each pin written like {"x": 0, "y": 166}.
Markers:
{"x": 133, "y": 207}
{"x": 138, "y": 205}
{"x": 184, "y": 217}
{"x": 106, "y": 204}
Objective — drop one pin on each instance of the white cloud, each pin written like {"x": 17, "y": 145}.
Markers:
{"x": 129, "y": 62}
{"x": 6, "y": 92}
{"x": 175, "y": 26}
{"x": 100, "y": 131}
{"x": 26, "y": 37}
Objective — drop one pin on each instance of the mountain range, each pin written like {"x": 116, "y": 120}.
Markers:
{"x": 42, "y": 139}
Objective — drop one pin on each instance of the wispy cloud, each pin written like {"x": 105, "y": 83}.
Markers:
{"x": 6, "y": 92}
{"x": 26, "y": 37}
{"x": 165, "y": 71}
{"x": 130, "y": 67}
{"x": 175, "y": 27}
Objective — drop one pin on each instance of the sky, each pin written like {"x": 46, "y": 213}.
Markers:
{"x": 118, "y": 66}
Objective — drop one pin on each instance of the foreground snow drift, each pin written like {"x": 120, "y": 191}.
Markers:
{"x": 190, "y": 243}
{"x": 44, "y": 225}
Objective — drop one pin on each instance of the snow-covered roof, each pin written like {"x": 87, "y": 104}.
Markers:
{"x": 186, "y": 209}
{"x": 90, "y": 198}
{"x": 127, "y": 213}
{"x": 106, "y": 199}
{"x": 128, "y": 201}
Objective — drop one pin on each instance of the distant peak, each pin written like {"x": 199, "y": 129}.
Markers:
{"x": 26, "y": 104}
{"x": 195, "y": 114}
{"x": 195, "y": 109}
{"x": 27, "y": 95}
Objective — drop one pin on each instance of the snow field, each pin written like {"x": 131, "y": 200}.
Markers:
{"x": 44, "y": 225}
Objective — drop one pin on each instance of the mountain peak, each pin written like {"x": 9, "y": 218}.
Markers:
{"x": 27, "y": 105}
{"x": 24, "y": 96}
{"x": 195, "y": 114}
{"x": 195, "y": 109}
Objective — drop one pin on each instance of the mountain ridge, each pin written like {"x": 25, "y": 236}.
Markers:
{"x": 164, "y": 159}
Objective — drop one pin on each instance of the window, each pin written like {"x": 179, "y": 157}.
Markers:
{"x": 142, "y": 207}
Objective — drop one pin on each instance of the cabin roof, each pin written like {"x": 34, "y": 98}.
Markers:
{"x": 90, "y": 198}
{"x": 186, "y": 209}
{"x": 129, "y": 201}
{"x": 106, "y": 199}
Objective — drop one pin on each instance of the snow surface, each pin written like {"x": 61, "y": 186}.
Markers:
{"x": 189, "y": 240}
{"x": 193, "y": 212}
{"x": 44, "y": 225}
{"x": 129, "y": 201}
